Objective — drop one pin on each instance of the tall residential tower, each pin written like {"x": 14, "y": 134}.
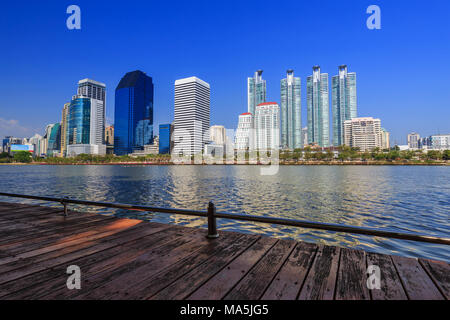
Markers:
{"x": 291, "y": 123}
{"x": 317, "y": 108}
{"x": 343, "y": 102}
{"x": 256, "y": 91}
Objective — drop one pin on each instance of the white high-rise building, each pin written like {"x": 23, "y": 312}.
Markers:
{"x": 244, "y": 139}
{"x": 385, "y": 143}
{"x": 363, "y": 133}
{"x": 413, "y": 140}
{"x": 191, "y": 116}
{"x": 92, "y": 89}
{"x": 267, "y": 126}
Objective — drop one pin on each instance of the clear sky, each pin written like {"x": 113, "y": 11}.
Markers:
{"x": 403, "y": 70}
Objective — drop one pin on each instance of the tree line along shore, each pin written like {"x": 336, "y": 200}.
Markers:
{"x": 307, "y": 156}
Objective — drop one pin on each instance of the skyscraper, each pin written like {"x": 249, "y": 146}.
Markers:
{"x": 92, "y": 89}
{"x": 191, "y": 115}
{"x": 165, "y": 131}
{"x": 64, "y": 118}
{"x": 53, "y": 139}
{"x": 256, "y": 91}
{"x": 85, "y": 126}
{"x": 343, "y": 102}
{"x": 318, "y": 108}
{"x": 291, "y": 123}
{"x": 133, "y": 113}
{"x": 267, "y": 126}
{"x": 385, "y": 143}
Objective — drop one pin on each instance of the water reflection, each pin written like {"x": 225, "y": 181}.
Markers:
{"x": 411, "y": 199}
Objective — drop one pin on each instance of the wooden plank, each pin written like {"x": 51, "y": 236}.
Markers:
{"x": 390, "y": 285}
{"x": 321, "y": 280}
{"x": 43, "y": 236}
{"x": 185, "y": 285}
{"x": 287, "y": 283}
{"x": 253, "y": 285}
{"x": 418, "y": 285}
{"x": 151, "y": 273}
{"x": 118, "y": 226}
{"x": 219, "y": 285}
{"x": 352, "y": 277}
{"x": 53, "y": 281}
{"x": 96, "y": 247}
{"x": 439, "y": 272}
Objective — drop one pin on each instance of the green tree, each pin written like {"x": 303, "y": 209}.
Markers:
{"x": 446, "y": 155}
{"x": 23, "y": 156}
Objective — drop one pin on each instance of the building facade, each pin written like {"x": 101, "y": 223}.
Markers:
{"x": 318, "y": 108}
{"x": 218, "y": 134}
{"x": 267, "y": 126}
{"x": 133, "y": 113}
{"x": 291, "y": 122}
{"x": 440, "y": 142}
{"x": 244, "y": 138}
{"x": 53, "y": 140}
{"x": 385, "y": 139}
{"x": 191, "y": 116}
{"x": 256, "y": 91}
{"x": 165, "y": 135}
{"x": 86, "y": 126}
{"x": 109, "y": 135}
{"x": 64, "y": 122}
{"x": 363, "y": 133}
{"x": 343, "y": 102}
{"x": 413, "y": 140}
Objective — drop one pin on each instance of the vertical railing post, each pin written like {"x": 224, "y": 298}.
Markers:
{"x": 212, "y": 226}
{"x": 66, "y": 213}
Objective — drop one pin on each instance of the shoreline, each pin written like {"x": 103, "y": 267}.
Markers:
{"x": 309, "y": 163}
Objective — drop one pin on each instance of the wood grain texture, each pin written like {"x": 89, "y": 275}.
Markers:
{"x": 133, "y": 259}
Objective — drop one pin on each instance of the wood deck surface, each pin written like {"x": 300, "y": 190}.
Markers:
{"x": 133, "y": 259}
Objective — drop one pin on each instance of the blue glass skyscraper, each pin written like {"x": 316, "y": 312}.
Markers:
{"x": 164, "y": 138}
{"x": 133, "y": 113}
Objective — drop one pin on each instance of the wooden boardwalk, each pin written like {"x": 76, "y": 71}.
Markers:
{"x": 133, "y": 259}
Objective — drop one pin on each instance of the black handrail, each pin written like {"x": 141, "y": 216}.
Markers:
{"x": 211, "y": 214}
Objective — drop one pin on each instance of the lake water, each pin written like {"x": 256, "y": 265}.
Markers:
{"x": 396, "y": 198}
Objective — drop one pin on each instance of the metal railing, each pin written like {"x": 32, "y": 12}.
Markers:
{"x": 212, "y": 215}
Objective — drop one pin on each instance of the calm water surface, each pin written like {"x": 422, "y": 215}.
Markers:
{"x": 396, "y": 198}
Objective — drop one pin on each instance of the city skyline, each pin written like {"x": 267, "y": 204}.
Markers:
{"x": 390, "y": 85}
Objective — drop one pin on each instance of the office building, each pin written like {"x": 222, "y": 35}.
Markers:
{"x": 363, "y": 133}
{"x": 291, "y": 123}
{"x": 267, "y": 126}
{"x": 343, "y": 104}
{"x": 413, "y": 140}
{"x": 244, "y": 139}
{"x": 109, "y": 135}
{"x": 191, "y": 116}
{"x": 317, "y": 108}
{"x": 385, "y": 139}
{"x": 53, "y": 140}
{"x": 133, "y": 113}
{"x": 64, "y": 122}
{"x": 86, "y": 126}
{"x": 256, "y": 91}
{"x": 92, "y": 89}
{"x": 165, "y": 134}
{"x": 440, "y": 141}
{"x": 218, "y": 135}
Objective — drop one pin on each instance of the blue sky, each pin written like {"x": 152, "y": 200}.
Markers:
{"x": 402, "y": 70}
